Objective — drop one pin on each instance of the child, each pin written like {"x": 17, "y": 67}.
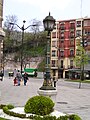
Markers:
{"x": 15, "y": 81}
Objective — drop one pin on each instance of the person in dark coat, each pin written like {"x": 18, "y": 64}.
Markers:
{"x": 25, "y": 77}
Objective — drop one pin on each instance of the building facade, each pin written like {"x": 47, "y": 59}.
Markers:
{"x": 64, "y": 39}
{"x": 2, "y": 34}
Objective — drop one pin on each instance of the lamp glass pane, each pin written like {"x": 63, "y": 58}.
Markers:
{"x": 50, "y": 25}
{"x": 45, "y": 25}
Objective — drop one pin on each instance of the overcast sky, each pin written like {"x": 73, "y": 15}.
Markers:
{"x": 39, "y": 9}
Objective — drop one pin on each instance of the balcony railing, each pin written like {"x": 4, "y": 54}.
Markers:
{"x": 62, "y": 37}
{"x": 71, "y": 55}
{"x": 54, "y": 66}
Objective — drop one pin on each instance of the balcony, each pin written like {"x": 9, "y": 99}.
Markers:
{"x": 54, "y": 66}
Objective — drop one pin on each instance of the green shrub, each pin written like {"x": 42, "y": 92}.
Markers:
{"x": 2, "y": 105}
{"x": 74, "y": 117}
{"x": 10, "y": 106}
{"x": 69, "y": 117}
{"x": 63, "y": 118}
{"x": 49, "y": 118}
{"x": 5, "y": 109}
{"x": 39, "y": 105}
{"x": 11, "y": 113}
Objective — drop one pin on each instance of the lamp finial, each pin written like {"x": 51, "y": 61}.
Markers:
{"x": 49, "y": 13}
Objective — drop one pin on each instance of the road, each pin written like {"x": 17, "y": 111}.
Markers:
{"x": 69, "y": 99}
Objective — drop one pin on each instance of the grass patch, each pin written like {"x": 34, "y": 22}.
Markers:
{"x": 84, "y": 81}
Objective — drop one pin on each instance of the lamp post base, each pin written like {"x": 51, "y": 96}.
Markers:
{"x": 50, "y": 93}
{"x": 47, "y": 88}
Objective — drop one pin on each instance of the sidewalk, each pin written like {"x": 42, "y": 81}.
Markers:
{"x": 69, "y": 98}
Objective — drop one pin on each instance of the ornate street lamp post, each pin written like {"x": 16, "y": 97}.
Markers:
{"x": 49, "y": 23}
{"x": 23, "y": 29}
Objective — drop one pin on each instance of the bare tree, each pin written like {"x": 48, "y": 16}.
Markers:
{"x": 35, "y": 29}
{"x": 9, "y": 31}
{"x": 12, "y": 19}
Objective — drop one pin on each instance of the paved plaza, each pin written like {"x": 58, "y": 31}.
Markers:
{"x": 69, "y": 99}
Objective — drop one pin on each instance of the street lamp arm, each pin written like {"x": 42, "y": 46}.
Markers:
{"x": 30, "y": 26}
{"x": 22, "y": 28}
{"x": 16, "y": 25}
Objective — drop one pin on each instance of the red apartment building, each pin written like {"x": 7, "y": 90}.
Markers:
{"x": 63, "y": 45}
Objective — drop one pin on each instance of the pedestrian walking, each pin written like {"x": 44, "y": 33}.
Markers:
{"x": 15, "y": 81}
{"x": 18, "y": 77}
{"x": 25, "y": 77}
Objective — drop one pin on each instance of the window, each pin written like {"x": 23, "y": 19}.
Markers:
{"x": 78, "y": 23}
{"x": 53, "y": 34}
{"x": 53, "y": 63}
{"x": 62, "y": 53}
{"x": 62, "y": 41}
{"x": 78, "y": 32}
{"x": 86, "y": 22}
{"x": 71, "y": 42}
{"x": 48, "y": 60}
{"x": 71, "y": 52}
{"x": 87, "y": 32}
{"x": 53, "y": 43}
{"x": 72, "y": 34}
{"x": 72, "y": 25}
{"x": 53, "y": 53}
{"x": 62, "y": 35}
{"x": 62, "y": 27}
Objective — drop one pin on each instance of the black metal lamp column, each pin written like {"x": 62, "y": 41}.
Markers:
{"x": 49, "y": 23}
{"x": 22, "y": 46}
